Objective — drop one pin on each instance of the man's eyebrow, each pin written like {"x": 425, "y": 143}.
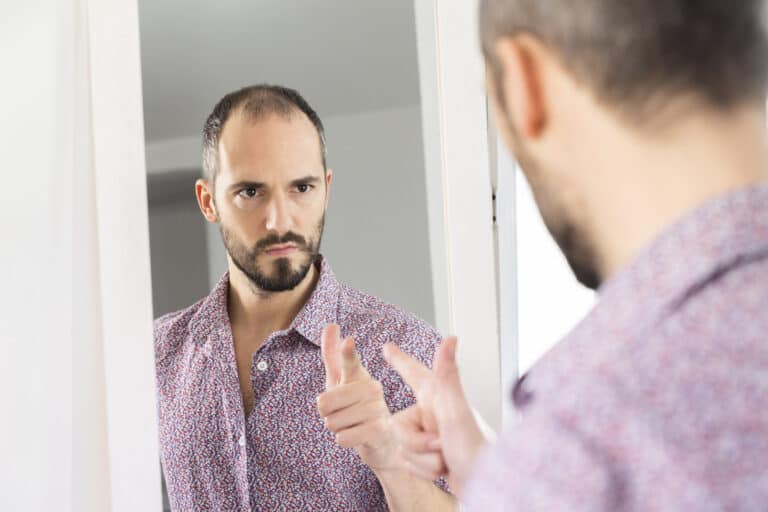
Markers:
{"x": 307, "y": 180}
{"x": 246, "y": 184}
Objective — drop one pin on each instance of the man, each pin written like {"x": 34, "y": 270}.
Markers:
{"x": 260, "y": 403}
{"x": 640, "y": 126}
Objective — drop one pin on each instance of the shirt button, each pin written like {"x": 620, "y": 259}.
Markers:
{"x": 241, "y": 441}
{"x": 262, "y": 366}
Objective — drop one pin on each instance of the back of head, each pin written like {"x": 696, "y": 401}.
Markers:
{"x": 636, "y": 54}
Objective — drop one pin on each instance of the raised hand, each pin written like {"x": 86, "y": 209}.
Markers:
{"x": 353, "y": 404}
{"x": 439, "y": 435}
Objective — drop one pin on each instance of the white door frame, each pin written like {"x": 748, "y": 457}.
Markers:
{"x": 124, "y": 276}
{"x": 459, "y": 189}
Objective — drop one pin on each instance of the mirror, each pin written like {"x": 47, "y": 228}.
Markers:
{"x": 356, "y": 64}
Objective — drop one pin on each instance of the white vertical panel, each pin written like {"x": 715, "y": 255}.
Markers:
{"x": 62, "y": 448}
{"x": 426, "y": 25}
{"x": 73, "y": 286}
{"x": 453, "y": 93}
{"x": 123, "y": 242}
{"x": 37, "y": 55}
{"x": 90, "y": 477}
{"x": 506, "y": 238}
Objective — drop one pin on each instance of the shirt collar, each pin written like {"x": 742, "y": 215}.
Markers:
{"x": 708, "y": 241}
{"x": 212, "y": 314}
{"x": 320, "y": 310}
{"x": 715, "y": 237}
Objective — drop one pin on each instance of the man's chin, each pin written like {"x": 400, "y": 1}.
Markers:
{"x": 281, "y": 274}
{"x": 277, "y": 264}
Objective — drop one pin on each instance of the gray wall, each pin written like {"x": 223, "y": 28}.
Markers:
{"x": 177, "y": 242}
{"x": 377, "y": 237}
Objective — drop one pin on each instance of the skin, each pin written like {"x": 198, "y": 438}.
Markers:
{"x": 613, "y": 185}
{"x": 271, "y": 182}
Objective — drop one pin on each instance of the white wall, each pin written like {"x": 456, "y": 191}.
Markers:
{"x": 77, "y": 373}
{"x": 377, "y": 235}
{"x": 179, "y": 255}
{"x": 36, "y": 340}
{"x": 550, "y": 300}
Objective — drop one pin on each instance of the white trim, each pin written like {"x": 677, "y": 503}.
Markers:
{"x": 123, "y": 248}
{"x": 506, "y": 257}
{"x": 455, "y": 75}
{"x": 430, "y": 126}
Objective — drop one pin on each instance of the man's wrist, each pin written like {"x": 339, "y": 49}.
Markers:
{"x": 406, "y": 492}
{"x": 392, "y": 475}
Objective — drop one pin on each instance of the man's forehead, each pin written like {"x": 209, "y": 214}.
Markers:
{"x": 271, "y": 143}
{"x": 242, "y": 120}
{"x": 266, "y": 174}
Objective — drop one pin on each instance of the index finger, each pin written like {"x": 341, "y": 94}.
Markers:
{"x": 412, "y": 371}
{"x": 329, "y": 348}
{"x": 351, "y": 366}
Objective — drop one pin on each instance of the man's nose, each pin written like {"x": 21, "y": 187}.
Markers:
{"x": 278, "y": 215}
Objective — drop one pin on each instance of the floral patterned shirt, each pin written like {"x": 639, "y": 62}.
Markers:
{"x": 658, "y": 400}
{"x": 280, "y": 457}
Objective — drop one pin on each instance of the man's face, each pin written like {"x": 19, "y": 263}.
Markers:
{"x": 554, "y": 195}
{"x": 270, "y": 194}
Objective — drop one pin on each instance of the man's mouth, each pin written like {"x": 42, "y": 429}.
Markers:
{"x": 281, "y": 250}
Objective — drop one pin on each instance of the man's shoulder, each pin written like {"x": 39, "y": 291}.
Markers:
{"x": 703, "y": 359}
{"x": 376, "y": 321}
{"x": 372, "y": 322}
{"x": 171, "y": 329}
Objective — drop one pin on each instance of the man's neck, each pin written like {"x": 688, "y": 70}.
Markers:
{"x": 259, "y": 311}
{"x": 640, "y": 188}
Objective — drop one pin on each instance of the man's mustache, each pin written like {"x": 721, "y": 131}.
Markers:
{"x": 274, "y": 239}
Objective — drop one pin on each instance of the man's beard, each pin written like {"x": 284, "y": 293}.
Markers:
{"x": 569, "y": 235}
{"x": 282, "y": 276}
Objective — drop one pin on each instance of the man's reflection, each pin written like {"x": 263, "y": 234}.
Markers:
{"x": 253, "y": 414}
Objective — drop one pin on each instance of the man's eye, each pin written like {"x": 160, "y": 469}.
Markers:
{"x": 304, "y": 188}
{"x": 249, "y": 192}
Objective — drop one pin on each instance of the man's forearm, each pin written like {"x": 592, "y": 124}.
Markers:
{"x": 408, "y": 493}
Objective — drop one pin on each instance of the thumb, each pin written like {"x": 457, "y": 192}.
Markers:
{"x": 444, "y": 364}
{"x": 351, "y": 367}
{"x": 446, "y": 376}
{"x": 446, "y": 370}
{"x": 331, "y": 353}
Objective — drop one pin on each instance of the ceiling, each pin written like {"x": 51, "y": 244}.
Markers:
{"x": 344, "y": 56}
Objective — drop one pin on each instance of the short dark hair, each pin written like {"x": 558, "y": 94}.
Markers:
{"x": 633, "y": 53}
{"x": 257, "y": 101}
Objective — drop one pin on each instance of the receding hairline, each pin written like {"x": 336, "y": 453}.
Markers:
{"x": 257, "y": 101}
{"x": 241, "y": 114}
{"x": 257, "y": 106}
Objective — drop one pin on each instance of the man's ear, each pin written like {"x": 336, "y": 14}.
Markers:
{"x": 520, "y": 61}
{"x": 328, "y": 180}
{"x": 204, "y": 193}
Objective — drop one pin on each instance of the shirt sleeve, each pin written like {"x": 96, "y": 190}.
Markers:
{"x": 543, "y": 465}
